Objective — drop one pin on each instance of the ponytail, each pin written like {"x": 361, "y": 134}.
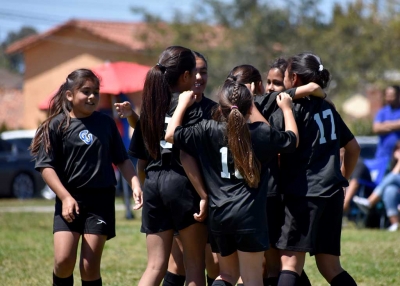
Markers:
{"x": 156, "y": 98}
{"x": 235, "y": 103}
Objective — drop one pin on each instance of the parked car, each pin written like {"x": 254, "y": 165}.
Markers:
{"x": 18, "y": 176}
{"x": 21, "y": 138}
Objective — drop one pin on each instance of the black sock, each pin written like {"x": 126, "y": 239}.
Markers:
{"x": 210, "y": 280}
{"x": 240, "y": 284}
{"x": 221, "y": 283}
{"x": 304, "y": 281}
{"x": 271, "y": 281}
{"x": 68, "y": 281}
{"x": 97, "y": 282}
{"x": 171, "y": 279}
{"x": 343, "y": 279}
{"x": 288, "y": 278}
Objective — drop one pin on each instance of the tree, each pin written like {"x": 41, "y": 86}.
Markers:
{"x": 14, "y": 62}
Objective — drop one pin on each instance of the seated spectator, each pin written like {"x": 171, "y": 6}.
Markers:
{"x": 360, "y": 184}
{"x": 388, "y": 191}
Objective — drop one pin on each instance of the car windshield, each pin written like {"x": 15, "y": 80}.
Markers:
{"x": 21, "y": 143}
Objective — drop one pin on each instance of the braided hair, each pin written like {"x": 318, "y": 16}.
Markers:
{"x": 235, "y": 102}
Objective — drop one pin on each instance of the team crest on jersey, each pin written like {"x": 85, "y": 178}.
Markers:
{"x": 86, "y": 137}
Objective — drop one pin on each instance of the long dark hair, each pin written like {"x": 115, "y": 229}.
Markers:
{"x": 309, "y": 68}
{"x": 235, "y": 101}
{"x": 160, "y": 79}
{"x": 245, "y": 74}
{"x": 59, "y": 104}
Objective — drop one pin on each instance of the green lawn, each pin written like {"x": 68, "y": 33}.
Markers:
{"x": 26, "y": 257}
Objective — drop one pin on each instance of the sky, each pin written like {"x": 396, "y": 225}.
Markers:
{"x": 45, "y": 14}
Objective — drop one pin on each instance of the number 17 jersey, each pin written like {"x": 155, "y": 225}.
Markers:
{"x": 314, "y": 168}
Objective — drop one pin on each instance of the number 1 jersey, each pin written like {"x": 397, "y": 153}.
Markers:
{"x": 234, "y": 207}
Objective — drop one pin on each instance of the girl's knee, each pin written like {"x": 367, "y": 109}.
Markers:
{"x": 64, "y": 265}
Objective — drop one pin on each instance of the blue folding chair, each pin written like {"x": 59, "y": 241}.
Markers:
{"x": 378, "y": 168}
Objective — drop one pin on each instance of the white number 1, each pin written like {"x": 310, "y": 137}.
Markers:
{"x": 317, "y": 118}
{"x": 224, "y": 161}
{"x": 163, "y": 143}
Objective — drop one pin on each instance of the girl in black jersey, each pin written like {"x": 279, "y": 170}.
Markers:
{"x": 175, "y": 275}
{"x": 251, "y": 77}
{"x": 169, "y": 200}
{"x": 313, "y": 180}
{"x": 232, "y": 157}
{"x": 74, "y": 150}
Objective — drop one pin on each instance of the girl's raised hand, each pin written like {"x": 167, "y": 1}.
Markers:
{"x": 187, "y": 98}
{"x": 284, "y": 101}
{"x": 124, "y": 109}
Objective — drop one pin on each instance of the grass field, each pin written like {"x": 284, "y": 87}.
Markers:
{"x": 26, "y": 251}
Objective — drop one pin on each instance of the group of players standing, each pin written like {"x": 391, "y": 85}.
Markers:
{"x": 257, "y": 177}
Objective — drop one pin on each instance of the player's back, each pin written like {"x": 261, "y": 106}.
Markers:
{"x": 314, "y": 168}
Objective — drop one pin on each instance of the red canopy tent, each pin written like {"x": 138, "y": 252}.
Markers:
{"x": 115, "y": 78}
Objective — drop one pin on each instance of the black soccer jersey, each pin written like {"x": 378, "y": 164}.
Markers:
{"x": 266, "y": 104}
{"x": 314, "y": 169}
{"x": 234, "y": 207}
{"x": 170, "y": 156}
{"x": 82, "y": 155}
{"x": 207, "y": 107}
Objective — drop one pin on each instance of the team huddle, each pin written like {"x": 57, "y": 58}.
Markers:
{"x": 242, "y": 188}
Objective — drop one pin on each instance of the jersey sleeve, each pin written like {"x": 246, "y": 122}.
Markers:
{"x": 267, "y": 141}
{"x": 187, "y": 138}
{"x": 137, "y": 148}
{"x": 277, "y": 120}
{"x": 345, "y": 134}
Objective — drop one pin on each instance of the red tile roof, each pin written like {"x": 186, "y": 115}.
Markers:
{"x": 134, "y": 36}
{"x": 131, "y": 35}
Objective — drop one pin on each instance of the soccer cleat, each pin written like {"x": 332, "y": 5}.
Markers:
{"x": 362, "y": 203}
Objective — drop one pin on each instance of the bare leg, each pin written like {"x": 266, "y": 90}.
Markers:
{"x": 91, "y": 252}
{"x": 175, "y": 263}
{"x": 65, "y": 252}
{"x": 212, "y": 265}
{"x": 229, "y": 268}
{"x": 328, "y": 265}
{"x": 272, "y": 262}
{"x": 194, "y": 239}
{"x": 250, "y": 264}
{"x": 158, "y": 250}
{"x": 293, "y": 260}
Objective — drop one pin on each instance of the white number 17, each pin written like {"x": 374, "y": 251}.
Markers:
{"x": 317, "y": 118}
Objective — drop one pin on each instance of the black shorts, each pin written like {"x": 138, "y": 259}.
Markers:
{"x": 96, "y": 213}
{"x": 226, "y": 244}
{"x": 169, "y": 202}
{"x": 275, "y": 218}
{"x": 312, "y": 224}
